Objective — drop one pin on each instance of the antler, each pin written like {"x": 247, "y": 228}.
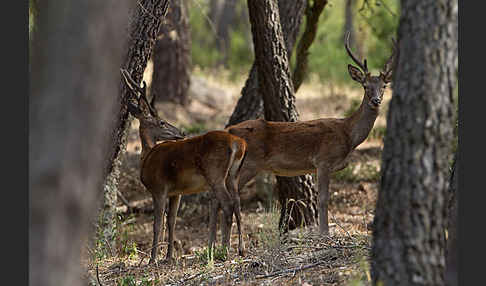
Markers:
{"x": 388, "y": 67}
{"x": 364, "y": 65}
{"x": 132, "y": 85}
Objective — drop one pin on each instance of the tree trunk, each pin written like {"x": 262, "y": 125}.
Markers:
{"x": 312, "y": 20}
{"x": 349, "y": 27}
{"x": 145, "y": 25}
{"x": 172, "y": 57}
{"x": 452, "y": 253}
{"x": 223, "y": 40}
{"x": 74, "y": 76}
{"x": 408, "y": 246}
{"x": 250, "y": 104}
{"x": 275, "y": 86}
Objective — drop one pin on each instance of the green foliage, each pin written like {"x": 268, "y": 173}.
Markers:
{"x": 378, "y": 132}
{"x": 352, "y": 173}
{"x": 375, "y": 25}
{"x": 128, "y": 280}
{"x": 195, "y": 129}
{"x": 208, "y": 256}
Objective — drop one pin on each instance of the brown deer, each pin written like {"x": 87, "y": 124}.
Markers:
{"x": 321, "y": 145}
{"x": 186, "y": 166}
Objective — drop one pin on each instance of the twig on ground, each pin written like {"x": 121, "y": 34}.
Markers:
{"x": 98, "y": 276}
{"x": 124, "y": 200}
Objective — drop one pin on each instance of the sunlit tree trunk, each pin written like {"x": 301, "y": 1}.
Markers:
{"x": 276, "y": 88}
{"x": 250, "y": 104}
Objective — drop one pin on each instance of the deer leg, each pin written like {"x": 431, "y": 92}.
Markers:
{"x": 323, "y": 189}
{"x": 213, "y": 217}
{"x": 159, "y": 211}
{"x": 225, "y": 201}
{"x": 171, "y": 221}
{"x": 232, "y": 186}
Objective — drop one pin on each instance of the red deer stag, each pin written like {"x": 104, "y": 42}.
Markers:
{"x": 187, "y": 166}
{"x": 321, "y": 145}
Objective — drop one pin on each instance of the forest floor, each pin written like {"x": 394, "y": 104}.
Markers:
{"x": 300, "y": 258}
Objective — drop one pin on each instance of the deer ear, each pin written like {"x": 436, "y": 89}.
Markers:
{"x": 356, "y": 74}
{"x": 387, "y": 77}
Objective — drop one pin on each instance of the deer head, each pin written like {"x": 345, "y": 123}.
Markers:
{"x": 374, "y": 86}
{"x": 152, "y": 127}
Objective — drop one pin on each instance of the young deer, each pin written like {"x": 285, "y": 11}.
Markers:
{"x": 186, "y": 166}
{"x": 321, "y": 145}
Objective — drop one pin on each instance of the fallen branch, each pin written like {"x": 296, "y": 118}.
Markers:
{"x": 98, "y": 275}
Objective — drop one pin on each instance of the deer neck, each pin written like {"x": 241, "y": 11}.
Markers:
{"x": 147, "y": 144}
{"x": 361, "y": 122}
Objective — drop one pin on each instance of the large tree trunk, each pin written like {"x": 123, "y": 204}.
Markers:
{"x": 408, "y": 246}
{"x": 296, "y": 195}
{"x": 172, "y": 57}
{"x": 145, "y": 25}
{"x": 452, "y": 251}
{"x": 74, "y": 76}
{"x": 250, "y": 104}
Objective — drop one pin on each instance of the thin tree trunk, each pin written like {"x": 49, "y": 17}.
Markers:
{"x": 296, "y": 195}
{"x": 225, "y": 21}
{"x": 145, "y": 25}
{"x": 74, "y": 82}
{"x": 408, "y": 246}
{"x": 312, "y": 20}
{"x": 250, "y": 104}
{"x": 349, "y": 27}
{"x": 171, "y": 76}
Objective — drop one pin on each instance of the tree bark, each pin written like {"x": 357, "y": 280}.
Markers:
{"x": 312, "y": 20}
{"x": 250, "y": 104}
{"x": 452, "y": 253}
{"x": 172, "y": 57}
{"x": 296, "y": 195}
{"x": 74, "y": 83}
{"x": 145, "y": 25}
{"x": 408, "y": 246}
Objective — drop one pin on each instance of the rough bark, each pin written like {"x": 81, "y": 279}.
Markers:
{"x": 145, "y": 24}
{"x": 276, "y": 88}
{"x": 74, "y": 82}
{"x": 250, "y": 104}
{"x": 408, "y": 246}
{"x": 452, "y": 251}
{"x": 171, "y": 75}
{"x": 312, "y": 20}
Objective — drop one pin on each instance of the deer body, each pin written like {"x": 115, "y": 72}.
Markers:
{"x": 187, "y": 166}
{"x": 318, "y": 146}
{"x": 165, "y": 162}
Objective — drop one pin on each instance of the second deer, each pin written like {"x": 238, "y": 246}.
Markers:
{"x": 174, "y": 168}
{"x": 316, "y": 146}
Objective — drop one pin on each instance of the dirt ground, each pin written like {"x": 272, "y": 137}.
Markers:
{"x": 301, "y": 258}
